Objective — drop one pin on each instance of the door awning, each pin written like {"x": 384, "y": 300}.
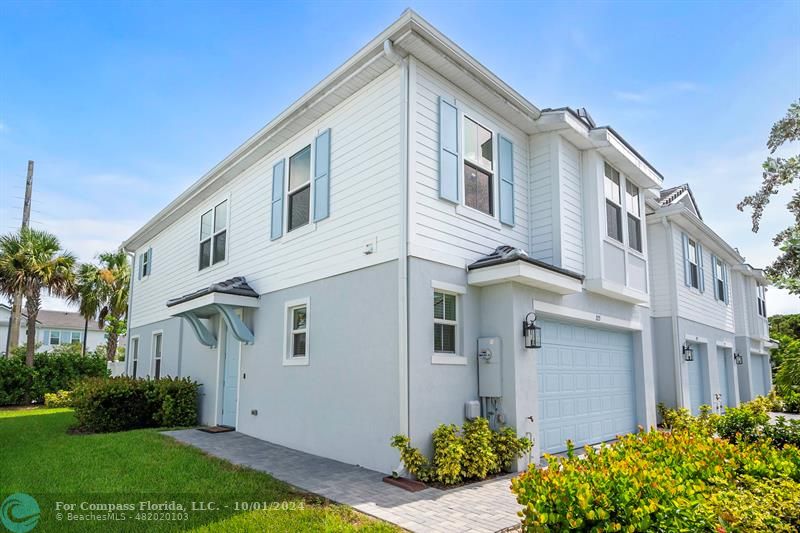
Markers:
{"x": 507, "y": 263}
{"x": 222, "y": 299}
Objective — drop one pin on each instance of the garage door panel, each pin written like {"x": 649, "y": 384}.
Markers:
{"x": 586, "y": 385}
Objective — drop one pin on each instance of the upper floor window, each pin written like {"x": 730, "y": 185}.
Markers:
{"x": 478, "y": 167}
{"x": 761, "y": 292}
{"x": 299, "y": 188}
{"x": 445, "y": 322}
{"x": 213, "y": 235}
{"x": 144, "y": 262}
{"x": 613, "y": 203}
{"x": 634, "y": 216}
{"x": 694, "y": 268}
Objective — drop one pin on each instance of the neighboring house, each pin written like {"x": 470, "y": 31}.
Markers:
{"x": 752, "y": 331}
{"x": 357, "y": 269}
{"x": 55, "y": 328}
{"x": 702, "y": 351}
{"x": 5, "y": 319}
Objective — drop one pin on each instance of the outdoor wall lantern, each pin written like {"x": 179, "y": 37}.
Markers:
{"x": 738, "y": 358}
{"x": 531, "y": 332}
{"x": 688, "y": 353}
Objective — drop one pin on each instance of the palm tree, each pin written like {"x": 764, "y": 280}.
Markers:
{"x": 115, "y": 276}
{"x": 88, "y": 294}
{"x": 30, "y": 261}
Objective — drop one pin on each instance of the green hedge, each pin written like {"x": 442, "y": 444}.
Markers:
{"x": 122, "y": 403}
{"x": 665, "y": 481}
{"x": 51, "y": 372}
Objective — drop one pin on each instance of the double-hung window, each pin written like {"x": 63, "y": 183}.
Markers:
{"x": 613, "y": 203}
{"x": 694, "y": 269}
{"x": 299, "y": 191}
{"x": 297, "y": 332}
{"x": 761, "y": 295}
{"x": 134, "y": 355}
{"x": 719, "y": 280}
{"x": 75, "y": 337}
{"x": 478, "y": 167}
{"x": 157, "y": 341}
{"x": 634, "y": 216}
{"x": 145, "y": 264}
{"x": 54, "y": 337}
{"x": 445, "y": 322}
{"x": 213, "y": 235}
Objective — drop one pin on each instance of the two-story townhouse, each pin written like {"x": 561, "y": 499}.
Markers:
{"x": 698, "y": 285}
{"x": 753, "y": 343}
{"x": 410, "y": 243}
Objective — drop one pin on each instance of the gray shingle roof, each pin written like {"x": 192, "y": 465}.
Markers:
{"x": 671, "y": 195}
{"x": 64, "y": 320}
{"x": 237, "y": 286}
{"x": 509, "y": 254}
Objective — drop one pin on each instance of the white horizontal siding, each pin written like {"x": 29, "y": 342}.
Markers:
{"x": 365, "y": 208}
{"x": 571, "y": 207}
{"x": 660, "y": 274}
{"x": 436, "y": 226}
{"x": 694, "y": 305}
{"x": 543, "y": 178}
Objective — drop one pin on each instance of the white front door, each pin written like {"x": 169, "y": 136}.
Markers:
{"x": 230, "y": 378}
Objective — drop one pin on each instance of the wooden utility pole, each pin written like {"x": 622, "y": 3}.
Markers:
{"x": 16, "y": 306}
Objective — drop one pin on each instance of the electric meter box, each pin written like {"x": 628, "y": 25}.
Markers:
{"x": 489, "y": 359}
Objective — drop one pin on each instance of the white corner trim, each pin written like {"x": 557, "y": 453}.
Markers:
{"x": 285, "y": 358}
{"x": 696, "y": 339}
{"x": 441, "y": 359}
{"x": 448, "y": 287}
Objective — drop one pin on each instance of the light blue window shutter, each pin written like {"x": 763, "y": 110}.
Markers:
{"x": 139, "y": 266}
{"x": 727, "y": 294}
{"x": 277, "y": 200}
{"x": 687, "y": 272}
{"x": 322, "y": 175}
{"x": 506, "y": 172}
{"x": 448, "y": 151}
{"x": 717, "y": 295}
{"x": 700, "y": 270}
{"x": 149, "y": 261}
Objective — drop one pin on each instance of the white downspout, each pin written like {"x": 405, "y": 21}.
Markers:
{"x": 673, "y": 292}
{"x": 402, "y": 261}
{"x": 128, "y": 335}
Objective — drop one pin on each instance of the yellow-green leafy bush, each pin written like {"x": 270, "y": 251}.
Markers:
{"x": 58, "y": 399}
{"x": 665, "y": 481}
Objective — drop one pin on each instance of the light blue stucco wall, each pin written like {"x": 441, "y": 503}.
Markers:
{"x": 673, "y": 384}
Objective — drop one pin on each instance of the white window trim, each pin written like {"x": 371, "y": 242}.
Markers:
{"x": 288, "y": 360}
{"x": 153, "y": 352}
{"x": 638, "y": 217}
{"x": 493, "y": 220}
{"x": 619, "y": 203}
{"x": 214, "y": 204}
{"x": 299, "y": 147}
{"x": 443, "y": 358}
{"x": 720, "y": 296}
{"x": 135, "y": 353}
{"x": 696, "y": 263}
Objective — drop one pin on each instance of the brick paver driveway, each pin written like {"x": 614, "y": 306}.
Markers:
{"x": 482, "y": 507}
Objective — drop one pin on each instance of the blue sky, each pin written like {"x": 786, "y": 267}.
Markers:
{"x": 124, "y": 104}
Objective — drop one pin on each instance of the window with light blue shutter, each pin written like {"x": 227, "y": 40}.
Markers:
{"x": 149, "y": 261}
{"x": 448, "y": 150}
{"x": 322, "y": 173}
{"x": 702, "y": 275}
{"x": 715, "y": 269}
{"x": 687, "y": 272}
{"x": 277, "y": 200}
{"x": 726, "y": 294}
{"x": 506, "y": 173}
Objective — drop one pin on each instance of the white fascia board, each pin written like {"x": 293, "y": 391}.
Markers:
{"x": 681, "y": 213}
{"x": 197, "y": 304}
{"x": 526, "y": 274}
{"x": 622, "y": 157}
{"x": 586, "y": 317}
{"x": 617, "y": 291}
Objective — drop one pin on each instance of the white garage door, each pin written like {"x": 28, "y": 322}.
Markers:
{"x": 586, "y": 385}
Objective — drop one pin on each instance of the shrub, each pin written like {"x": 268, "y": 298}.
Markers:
{"x": 508, "y": 448}
{"x": 470, "y": 454}
{"x": 661, "y": 481}
{"x": 791, "y": 402}
{"x": 783, "y": 432}
{"x": 448, "y": 453}
{"x": 58, "y": 399}
{"x": 743, "y": 423}
{"x": 479, "y": 458}
{"x": 51, "y": 372}
{"x": 121, "y": 403}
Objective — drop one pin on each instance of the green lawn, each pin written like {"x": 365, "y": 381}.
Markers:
{"x": 39, "y": 458}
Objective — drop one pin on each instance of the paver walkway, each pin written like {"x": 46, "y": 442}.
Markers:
{"x": 482, "y": 507}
